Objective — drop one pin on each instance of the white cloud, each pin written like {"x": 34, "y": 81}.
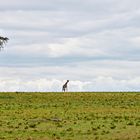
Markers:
{"x": 98, "y": 84}
{"x": 136, "y": 40}
{"x": 94, "y": 44}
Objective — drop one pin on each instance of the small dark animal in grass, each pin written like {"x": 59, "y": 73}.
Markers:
{"x": 65, "y": 86}
{"x": 3, "y": 40}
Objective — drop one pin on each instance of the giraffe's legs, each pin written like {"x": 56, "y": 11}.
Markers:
{"x": 66, "y": 89}
{"x": 63, "y": 89}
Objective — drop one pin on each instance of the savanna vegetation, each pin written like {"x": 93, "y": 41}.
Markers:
{"x": 70, "y": 116}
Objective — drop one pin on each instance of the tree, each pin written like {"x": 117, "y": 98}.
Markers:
{"x": 3, "y": 40}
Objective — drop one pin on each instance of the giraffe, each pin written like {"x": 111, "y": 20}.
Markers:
{"x": 65, "y": 87}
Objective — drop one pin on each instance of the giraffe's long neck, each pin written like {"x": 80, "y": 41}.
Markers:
{"x": 65, "y": 85}
{"x": 66, "y": 82}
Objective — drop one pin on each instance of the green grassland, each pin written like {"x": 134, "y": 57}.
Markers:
{"x": 70, "y": 116}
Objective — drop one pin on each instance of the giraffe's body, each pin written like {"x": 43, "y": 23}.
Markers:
{"x": 65, "y": 86}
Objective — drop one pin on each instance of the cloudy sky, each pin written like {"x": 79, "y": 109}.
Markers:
{"x": 93, "y": 43}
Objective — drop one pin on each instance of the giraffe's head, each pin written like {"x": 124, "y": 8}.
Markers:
{"x": 67, "y": 81}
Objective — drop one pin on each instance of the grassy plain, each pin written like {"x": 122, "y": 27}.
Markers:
{"x": 70, "y": 116}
